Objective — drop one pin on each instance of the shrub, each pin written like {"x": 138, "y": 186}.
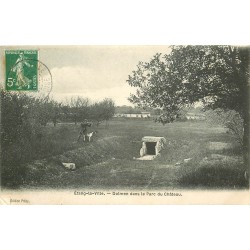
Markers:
{"x": 229, "y": 119}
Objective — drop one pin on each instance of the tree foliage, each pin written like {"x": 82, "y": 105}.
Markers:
{"x": 79, "y": 107}
{"x": 108, "y": 109}
{"x": 217, "y": 76}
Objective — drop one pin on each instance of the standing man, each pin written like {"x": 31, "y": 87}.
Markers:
{"x": 84, "y": 129}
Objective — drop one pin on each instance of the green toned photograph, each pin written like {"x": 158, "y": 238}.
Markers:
{"x": 125, "y": 121}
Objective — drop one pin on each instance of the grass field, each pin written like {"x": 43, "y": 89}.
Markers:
{"x": 215, "y": 160}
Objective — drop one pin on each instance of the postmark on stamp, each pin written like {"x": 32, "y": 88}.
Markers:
{"x": 21, "y": 70}
{"x": 24, "y": 72}
{"x": 44, "y": 81}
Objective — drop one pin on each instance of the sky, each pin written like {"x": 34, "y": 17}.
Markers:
{"x": 95, "y": 72}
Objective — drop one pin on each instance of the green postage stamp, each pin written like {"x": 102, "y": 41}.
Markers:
{"x": 21, "y": 70}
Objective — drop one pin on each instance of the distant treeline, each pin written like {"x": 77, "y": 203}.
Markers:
{"x": 135, "y": 110}
{"x": 42, "y": 111}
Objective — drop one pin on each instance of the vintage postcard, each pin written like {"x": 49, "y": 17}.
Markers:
{"x": 124, "y": 124}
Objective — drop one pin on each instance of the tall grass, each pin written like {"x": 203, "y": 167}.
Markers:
{"x": 108, "y": 160}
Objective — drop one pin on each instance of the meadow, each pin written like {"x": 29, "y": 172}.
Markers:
{"x": 196, "y": 156}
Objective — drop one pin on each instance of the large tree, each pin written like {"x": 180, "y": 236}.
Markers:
{"x": 79, "y": 106}
{"x": 107, "y": 107}
{"x": 216, "y": 75}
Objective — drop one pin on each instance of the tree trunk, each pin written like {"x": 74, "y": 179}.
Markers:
{"x": 246, "y": 146}
{"x": 246, "y": 119}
